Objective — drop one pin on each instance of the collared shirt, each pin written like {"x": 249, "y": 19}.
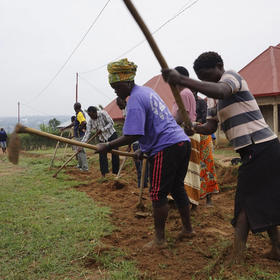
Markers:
{"x": 189, "y": 104}
{"x": 239, "y": 115}
{"x": 104, "y": 123}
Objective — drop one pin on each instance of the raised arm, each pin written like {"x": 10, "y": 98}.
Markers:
{"x": 121, "y": 141}
{"x": 210, "y": 89}
{"x": 207, "y": 128}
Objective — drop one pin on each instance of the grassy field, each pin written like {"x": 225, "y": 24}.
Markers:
{"x": 49, "y": 230}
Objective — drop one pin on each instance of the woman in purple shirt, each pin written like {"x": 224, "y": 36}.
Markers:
{"x": 149, "y": 121}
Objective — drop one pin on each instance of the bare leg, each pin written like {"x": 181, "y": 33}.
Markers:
{"x": 193, "y": 207}
{"x": 274, "y": 253}
{"x": 187, "y": 231}
{"x": 160, "y": 216}
{"x": 240, "y": 237}
{"x": 209, "y": 202}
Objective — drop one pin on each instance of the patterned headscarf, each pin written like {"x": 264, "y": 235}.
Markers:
{"x": 122, "y": 70}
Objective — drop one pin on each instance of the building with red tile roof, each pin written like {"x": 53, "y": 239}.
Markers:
{"x": 263, "y": 77}
{"x": 157, "y": 84}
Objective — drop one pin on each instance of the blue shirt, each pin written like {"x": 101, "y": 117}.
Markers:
{"x": 3, "y": 135}
{"x": 148, "y": 116}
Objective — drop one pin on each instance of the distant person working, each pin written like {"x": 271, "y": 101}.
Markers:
{"x": 103, "y": 124}
{"x": 79, "y": 123}
{"x": 3, "y": 140}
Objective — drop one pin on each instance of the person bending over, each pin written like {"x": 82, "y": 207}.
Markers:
{"x": 149, "y": 121}
{"x": 103, "y": 124}
{"x": 230, "y": 102}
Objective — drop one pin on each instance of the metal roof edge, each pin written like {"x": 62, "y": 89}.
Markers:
{"x": 267, "y": 94}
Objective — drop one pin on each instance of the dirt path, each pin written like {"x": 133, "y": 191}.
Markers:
{"x": 206, "y": 254}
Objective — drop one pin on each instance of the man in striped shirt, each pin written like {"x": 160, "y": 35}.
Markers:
{"x": 257, "y": 200}
{"x": 103, "y": 124}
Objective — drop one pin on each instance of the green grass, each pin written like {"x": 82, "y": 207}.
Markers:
{"x": 257, "y": 273}
{"x": 49, "y": 230}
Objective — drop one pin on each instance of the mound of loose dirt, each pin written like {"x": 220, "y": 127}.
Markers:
{"x": 226, "y": 174}
{"x": 208, "y": 253}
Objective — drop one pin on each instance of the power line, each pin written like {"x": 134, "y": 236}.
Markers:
{"x": 95, "y": 88}
{"x": 72, "y": 53}
{"x": 181, "y": 10}
{"x": 36, "y": 110}
{"x": 176, "y": 15}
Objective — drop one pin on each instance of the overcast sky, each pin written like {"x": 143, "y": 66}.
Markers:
{"x": 37, "y": 37}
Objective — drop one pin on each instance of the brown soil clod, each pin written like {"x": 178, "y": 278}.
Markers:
{"x": 142, "y": 214}
{"x": 118, "y": 185}
{"x": 141, "y": 207}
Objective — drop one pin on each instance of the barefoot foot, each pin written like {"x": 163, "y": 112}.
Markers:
{"x": 155, "y": 244}
{"x": 273, "y": 254}
{"x": 193, "y": 207}
{"x": 209, "y": 205}
{"x": 185, "y": 235}
{"x": 209, "y": 202}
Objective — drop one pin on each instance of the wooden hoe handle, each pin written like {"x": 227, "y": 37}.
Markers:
{"x": 24, "y": 129}
{"x": 159, "y": 57}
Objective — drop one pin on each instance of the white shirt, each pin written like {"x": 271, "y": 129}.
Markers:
{"x": 104, "y": 123}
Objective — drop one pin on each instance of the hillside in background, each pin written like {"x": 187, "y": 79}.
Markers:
{"x": 8, "y": 123}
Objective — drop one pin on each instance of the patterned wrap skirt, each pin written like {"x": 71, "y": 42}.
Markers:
{"x": 192, "y": 179}
{"x": 208, "y": 175}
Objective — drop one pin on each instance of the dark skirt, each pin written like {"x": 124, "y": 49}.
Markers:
{"x": 258, "y": 189}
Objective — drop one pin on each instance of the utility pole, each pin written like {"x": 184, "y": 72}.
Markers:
{"x": 77, "y": 80}
{"x": 18, "y": 112}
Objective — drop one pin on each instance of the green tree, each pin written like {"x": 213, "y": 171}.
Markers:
{"x": 51, "y": 127}
{"x": 54, "y": 123}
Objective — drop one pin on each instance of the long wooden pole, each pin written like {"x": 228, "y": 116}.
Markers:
{"x": 24, "y": 129}
{"x": 18, "y": 112}
{"x": 70, "y": 136}
{"x": 72, "y": 156}
{"x": 121, "y": 167}
{"x": 159, "y": 57}
{"x": 57, "y": 144}
{"x": 64, "y": 152}
{"x": 64, "y": 164}
{"x": 142, "y": 181}
{"x": 77, "y": 86}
